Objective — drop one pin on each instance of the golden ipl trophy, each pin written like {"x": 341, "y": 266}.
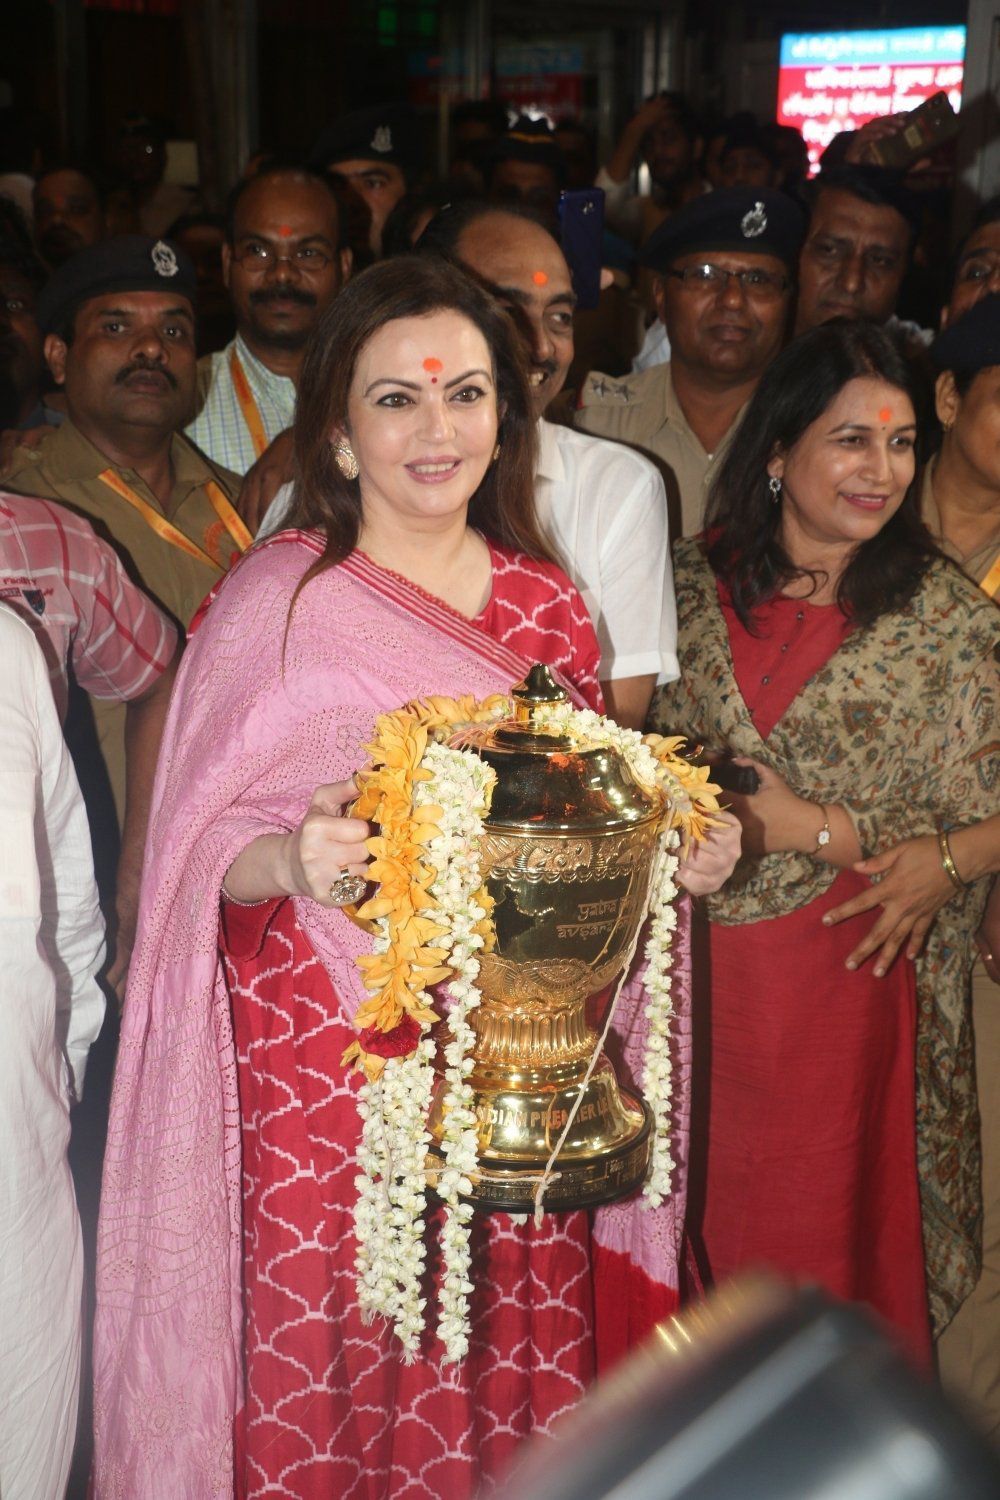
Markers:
{"x": 566, "y": 855}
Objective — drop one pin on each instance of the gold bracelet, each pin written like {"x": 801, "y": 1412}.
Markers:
{"x": 949, "y": 864}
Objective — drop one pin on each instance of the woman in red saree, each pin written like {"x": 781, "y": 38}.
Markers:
{"x": 826, "y": 643}
{"x": 230, "y": 1351}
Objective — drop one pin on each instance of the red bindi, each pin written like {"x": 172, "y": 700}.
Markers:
{"x": 885, "y": 415}
{"x": 540, "y": 278}
{"x": 285, "y": 231}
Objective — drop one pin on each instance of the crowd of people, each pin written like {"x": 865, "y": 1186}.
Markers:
{"x": 268, "y": 474}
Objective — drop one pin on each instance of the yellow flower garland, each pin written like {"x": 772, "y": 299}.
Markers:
{"x": 399, "y": 977}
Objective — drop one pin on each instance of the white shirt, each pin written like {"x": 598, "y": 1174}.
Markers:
{"x": 655, "y": 348}
{"x": 51, "y": 946}
{"x": 603, "y": 509}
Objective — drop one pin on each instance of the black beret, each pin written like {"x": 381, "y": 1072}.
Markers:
{"x": 739, "y": 218}
{"x": 126, "y": 263}
{"x": 532, "y": 141}
{"x": 386, "y": 132}
{"x": 972, "y": 342}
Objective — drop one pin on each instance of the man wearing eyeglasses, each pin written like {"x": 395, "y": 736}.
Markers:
{"x": 724, "y": 268}
{"x": 284, "y": 260}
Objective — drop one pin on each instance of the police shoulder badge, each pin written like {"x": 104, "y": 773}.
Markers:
{"x": 382, "y": 139}
{"x": 754, "y": 221}
{"x": 164, "y": 259}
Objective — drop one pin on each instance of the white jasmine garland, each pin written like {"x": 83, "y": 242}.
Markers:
{"x": 462, "y": 786}
{"x": 392, "y": 1196}
{"x": 657, "y": 1077}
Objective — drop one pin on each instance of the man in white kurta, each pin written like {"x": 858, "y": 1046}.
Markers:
{"x": 51, "y": 946}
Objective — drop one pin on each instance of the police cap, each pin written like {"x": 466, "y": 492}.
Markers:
{"x": 126, "y": 263}
{"x": 759, "y": 220}
{"x": 385, "y": 132}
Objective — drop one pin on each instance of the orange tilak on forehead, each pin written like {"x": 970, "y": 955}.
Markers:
{"x": 885, "y": 415}
{"x": 433, "y": 367}
{"x": 285, "y": 230}
{"x": 540, "y": 278}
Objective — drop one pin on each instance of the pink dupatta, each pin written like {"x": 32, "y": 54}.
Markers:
{"x": 258, "y": 719}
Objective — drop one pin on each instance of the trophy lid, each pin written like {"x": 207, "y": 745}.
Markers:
{"x": 545, "y": 782}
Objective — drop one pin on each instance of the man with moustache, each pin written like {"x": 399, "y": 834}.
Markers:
{"x": 68, "y": 214}
{"x": 285, "y": 258}
{"x": 862, "y": 225}
{"x": 724, "y": 269}
{"x": 119, "y": 339}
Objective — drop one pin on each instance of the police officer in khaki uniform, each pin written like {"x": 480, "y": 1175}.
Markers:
{"x": 118, "y": 320}
{"x": 724, "y": 267}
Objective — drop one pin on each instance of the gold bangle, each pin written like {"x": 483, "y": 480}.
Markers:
{"x": 949, "y": 864}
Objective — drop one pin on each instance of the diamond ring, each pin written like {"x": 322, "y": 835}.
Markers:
{"x": 347, "y": 889}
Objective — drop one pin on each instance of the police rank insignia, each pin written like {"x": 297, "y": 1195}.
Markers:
{"x": 754, "y": 221}
{"x": 164, "y": 259}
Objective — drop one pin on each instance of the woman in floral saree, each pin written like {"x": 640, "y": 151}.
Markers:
{"x": 826, "y": 643}
{"x": 231, "y": 1352}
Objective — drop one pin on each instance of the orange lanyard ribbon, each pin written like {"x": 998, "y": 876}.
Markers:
{"x": 991, "y": 583}
{"x": 169, "y": 532}
{"x": 248, "y": 404}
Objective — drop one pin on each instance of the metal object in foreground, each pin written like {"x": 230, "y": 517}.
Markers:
{"x": 567, "y": 853}
{"x": 763, "y": 1392}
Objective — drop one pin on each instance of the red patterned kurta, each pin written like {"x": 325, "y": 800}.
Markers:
{"x": 332, "y": 1410}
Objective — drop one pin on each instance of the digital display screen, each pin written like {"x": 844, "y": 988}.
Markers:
{"x": 839, "y": 80}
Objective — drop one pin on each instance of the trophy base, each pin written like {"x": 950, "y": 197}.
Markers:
{"x": 579, "y": 1181}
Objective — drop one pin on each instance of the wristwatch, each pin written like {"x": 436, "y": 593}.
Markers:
{"x": 823, "y": 837}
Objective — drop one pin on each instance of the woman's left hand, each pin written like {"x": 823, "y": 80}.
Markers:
{"x": 774, "y": 818}
{"x": 708, "y": 865}
{"x": 913, "y": 889}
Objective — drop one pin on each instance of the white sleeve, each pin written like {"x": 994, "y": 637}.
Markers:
{"x": 622, "y": 207}
{"x": 274, "y": 516}
{"x": 72, "y": 928}
{"x": 637, "y": 628}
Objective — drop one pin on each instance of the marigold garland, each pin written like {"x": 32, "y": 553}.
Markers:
{"x": 430, "y": 919}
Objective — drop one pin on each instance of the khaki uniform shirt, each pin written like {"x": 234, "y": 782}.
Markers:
{"x": 66, "y": 467}
{"x": 643, "y": 411}
{"x": 978, "y": 563}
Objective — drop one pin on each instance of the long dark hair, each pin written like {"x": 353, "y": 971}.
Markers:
{"x": 742, "y": 519}
{"x": 409, "y": 286}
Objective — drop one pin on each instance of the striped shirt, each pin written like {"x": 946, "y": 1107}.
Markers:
{"x": 220, "y": 429}
{"x": 85, "y": 611}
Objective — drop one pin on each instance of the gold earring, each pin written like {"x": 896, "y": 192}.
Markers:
{"x": 345, "y": 460}
{"x": 496, "y": 453}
